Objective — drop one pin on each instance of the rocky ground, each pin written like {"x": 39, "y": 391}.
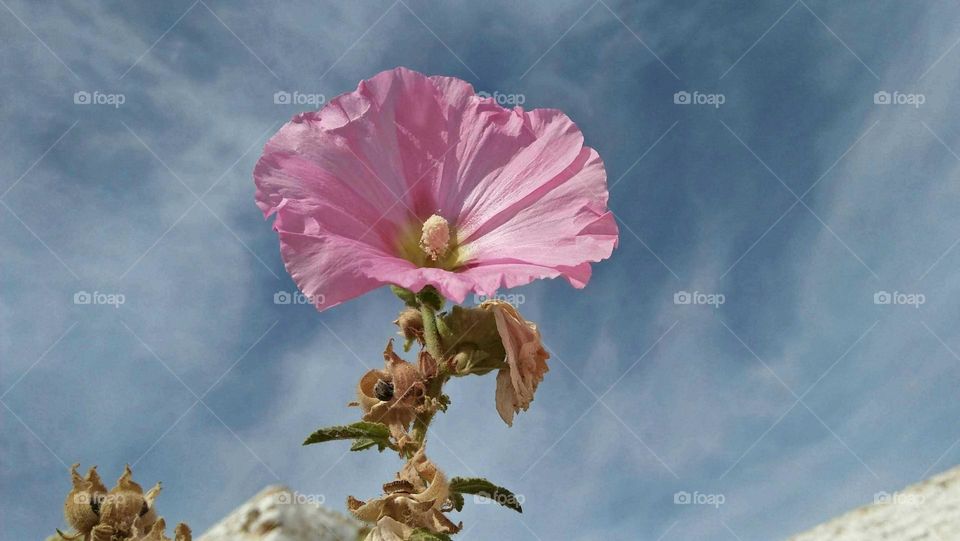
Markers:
{"x": 926, "y": 511}
{"x": 276, "y": 514}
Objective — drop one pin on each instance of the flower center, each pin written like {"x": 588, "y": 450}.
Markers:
{"x": 431, "y": 244}
{"x": 435, "y": 237}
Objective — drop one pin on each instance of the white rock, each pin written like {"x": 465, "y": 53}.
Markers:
{"x": 278, "y": 514}
{"x": 927, "y": 511}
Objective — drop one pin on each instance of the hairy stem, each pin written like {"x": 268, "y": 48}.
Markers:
{"x": 430, "y": 334}
{"x": 435, "y": 387}
{"x": 422, "y": 423}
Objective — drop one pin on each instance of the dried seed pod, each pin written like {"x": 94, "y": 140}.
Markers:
{"x": 398, "y": 486}
{"x": 182, "y": 533}
{"x": 148, "y": 513}
{"x": 366, "y": 390}
{"x": 104, "y": 532}
{"x": 383, "y": 390}
{"x": 411, "y": 324}
{"x": 392, "y": 396}
{"x": 124, "y": 513}
{"x": 82, "y": 506}
{"x": 123, "y": 505}
{"x": 427, "y": 365}
{"x": 157, "y": 531}
{"x": 405, "y": 377}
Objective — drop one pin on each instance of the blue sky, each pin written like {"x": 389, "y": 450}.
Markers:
{"x": 799, "y": 199}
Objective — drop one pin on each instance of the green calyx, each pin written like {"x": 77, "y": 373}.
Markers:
{"x": 471, "y": 336}
{"x": 466, "y": 339}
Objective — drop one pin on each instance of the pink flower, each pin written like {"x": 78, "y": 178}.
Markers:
{"x": 414, "y": 181}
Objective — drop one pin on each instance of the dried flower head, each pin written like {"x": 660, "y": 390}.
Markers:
{"x": 157, "y": 532}
{"x": 392, "y": 396}
{"x": 416, "y": 499}
{"x": 123, "y": 513}
{"x": 526, "y": 360}
{"x": 388, "y": 529}
{"x": 82, "y": 506}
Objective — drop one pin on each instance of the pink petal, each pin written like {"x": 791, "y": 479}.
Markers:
{"x": 327, "y": 268}
{"x": 566, "y": 224}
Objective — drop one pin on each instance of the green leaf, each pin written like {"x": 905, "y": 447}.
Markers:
{"x": 425, "y": 535}
{"x": 431, "y": 297}
{"x": 407, "y": 296}
{"x": 361, "y": 430}
{"x": 457, "y": 500}
{"x": 481, "y": 487}
{"x": 443, "y": 402}
{"x": 362, "y": 444}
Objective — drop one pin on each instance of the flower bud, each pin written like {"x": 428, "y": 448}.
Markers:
{"x": 411, "y": 325}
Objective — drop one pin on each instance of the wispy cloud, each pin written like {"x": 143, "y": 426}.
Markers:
{"x": 696, "y": 397}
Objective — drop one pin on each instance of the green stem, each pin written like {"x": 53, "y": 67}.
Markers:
{"x": 422, "y": 423}
{"x": 435, "y": 387}
{"x": 430, "y": 334}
